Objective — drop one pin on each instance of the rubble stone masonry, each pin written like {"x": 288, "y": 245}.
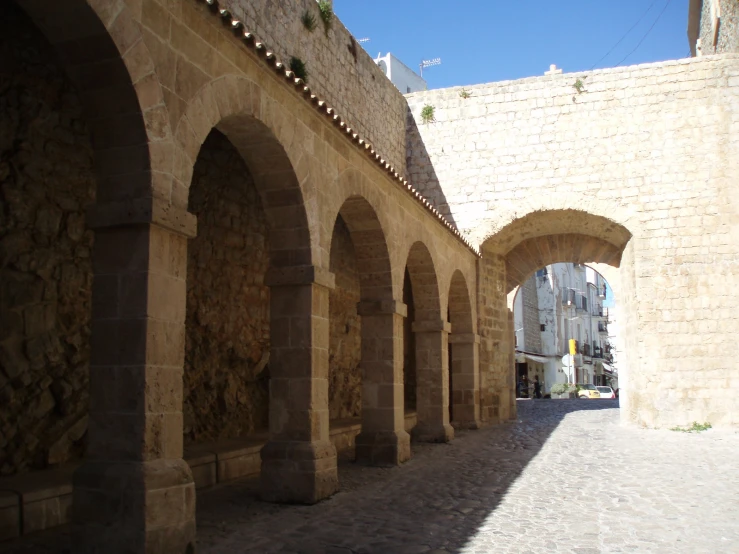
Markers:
{"x": 46, "y": 182}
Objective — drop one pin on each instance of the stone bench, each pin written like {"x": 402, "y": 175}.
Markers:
{"x": 35, "y": 501}
{"x": 42, "y": 499}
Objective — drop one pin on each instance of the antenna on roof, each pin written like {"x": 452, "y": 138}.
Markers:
{"x": 362, "y": 40}
{"x": 429, "y": 63}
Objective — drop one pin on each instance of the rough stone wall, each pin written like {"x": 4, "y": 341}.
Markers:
{"x": 339, "y": 70}
{"x": 728, "y": 29}
{"x": 345, "y": 340}
{"x": 530, "y": 307}
{"x": 46, "y": 182}
{"x": 652, "y": 147}
{"x": 226, "y": 378}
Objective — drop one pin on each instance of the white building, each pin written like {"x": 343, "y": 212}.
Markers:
{"x": 562, "y": 302}
{"x": 402, "y": 76}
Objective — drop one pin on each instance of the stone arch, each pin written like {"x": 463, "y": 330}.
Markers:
{"x": 430, "y": 333}
{"x": 101, "y": 45}
{"x": 262, "y": 134}
{"x": 383, "y": 440}
{"x": 464, "y": 376}
{"x": 516, "y": 250}
{"x": 370, "y": 244}
{"x": 422, "y": 272}
{"x": 549, "y": 236}
{"x": 543, "y": 209}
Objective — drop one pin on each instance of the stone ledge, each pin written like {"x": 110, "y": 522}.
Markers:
{"x": 43, "y": 499}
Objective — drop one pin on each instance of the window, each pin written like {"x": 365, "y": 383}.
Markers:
{"x": 543, "y": 327}
{"x": 407, "y": 89}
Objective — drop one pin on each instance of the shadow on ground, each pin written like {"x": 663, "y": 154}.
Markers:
{"x": 434, "y": 503}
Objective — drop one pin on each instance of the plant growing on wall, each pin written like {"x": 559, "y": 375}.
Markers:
{"x": 327, "y": 13}
{"x": 464, "y": 93}
{"x": 309, "y": 21}
{"x": 427, "y": 114}
{"x": 579, "y": 86}
{"x": 297, "y": 66}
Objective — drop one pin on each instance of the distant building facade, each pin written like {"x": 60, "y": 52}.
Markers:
{"x": 560, "y": 303}
{"x": 712, "y": 27}
{"x": 403, "y": 77}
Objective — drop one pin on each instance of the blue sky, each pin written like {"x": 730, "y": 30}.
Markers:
{"x": 481, "y": 41}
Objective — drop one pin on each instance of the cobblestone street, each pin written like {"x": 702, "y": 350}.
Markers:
{"x": 566, "y": 477}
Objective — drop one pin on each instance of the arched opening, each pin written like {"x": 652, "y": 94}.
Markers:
{"x": 382, "y": 440}
{"x": 73, "y": 138}
{"x": 565, "y": 334}
{"x": 345, "y": 339}
{"x": 430, "y": 337}
{"x": 516, "y": 252}
{"x": 245, "y": 318}
{"x": 464, "y": 405}
{"x": 48, "y": 181}
{"x": 227, "y": 345}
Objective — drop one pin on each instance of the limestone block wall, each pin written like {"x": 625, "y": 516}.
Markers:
{"x": 651, "y": 148}
{"x": 46, "y": 182}
{"x": 344, "y": 373}
{"x": 339, "y": 70}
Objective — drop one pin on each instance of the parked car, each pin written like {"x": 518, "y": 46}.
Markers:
{"x": 587, "y": 391}
{"x": 606, "y": 392}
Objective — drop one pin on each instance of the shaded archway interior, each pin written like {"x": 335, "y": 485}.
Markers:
{"x": 370, "y": 246}
{"x": 420, "y": 267}
{"x": 111, "y": 105}
{"x": 278, "y": 186}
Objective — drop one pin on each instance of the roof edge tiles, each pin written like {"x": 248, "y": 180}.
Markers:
{"x": 301, "y": 86}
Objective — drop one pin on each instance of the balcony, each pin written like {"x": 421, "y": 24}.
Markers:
{"x": 602, "y": 328}
{"x": 597, "y": 352}
{"x": 602, "y": 292}
{"x": 586, "y": 350}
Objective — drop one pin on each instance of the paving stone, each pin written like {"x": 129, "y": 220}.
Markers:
{"x": 591, "y": 486}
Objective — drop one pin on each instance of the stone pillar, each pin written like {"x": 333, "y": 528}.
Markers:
{"x": 432, "y": 378}
{"x": 383, "y": 440}
{"x": 465, "y": 395}
{"x": 299, "y": 461}
{"x": 134, "y": 492}
{"x": 495, "y": 379}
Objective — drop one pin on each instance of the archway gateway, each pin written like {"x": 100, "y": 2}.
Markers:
{"x": 515, "y": 253}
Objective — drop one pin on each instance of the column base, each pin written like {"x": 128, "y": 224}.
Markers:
{"x": 298, "y": 472}
{"x": 424, "y": 432}
{"x": 383, "y": 448}
{"x": 125, "y": 507}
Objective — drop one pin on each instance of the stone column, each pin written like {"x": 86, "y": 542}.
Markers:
{"x": 134, "y": 492}
{"x": 299, "y": 461}
{"x": 495, "y": 370}
{"x": 383, "y": 440}
{"x": 432, "y": 378}
{"x": 465, "y": 394}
